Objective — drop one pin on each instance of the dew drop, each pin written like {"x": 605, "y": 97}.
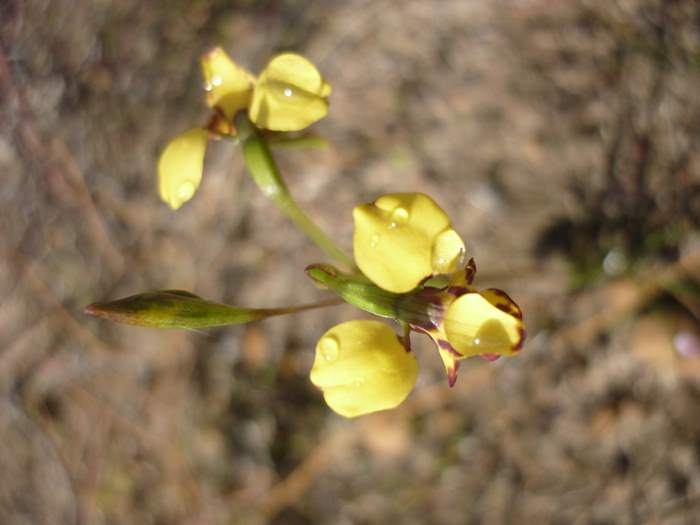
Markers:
{"x": 330, "y": 347}
{"x": 461, "y": 258}
{"x": 447, "y": 252}
{"x": 207, "y": 86}
{"x": 288, "y": 92}
{"x": 216, "y": 81}
{"x": 185, "y": 191}
{"x": 374, "y": 241}
{"x": 477, "y": 341}
{"x": 398, "y": 217}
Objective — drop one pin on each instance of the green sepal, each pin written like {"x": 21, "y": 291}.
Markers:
{"x": 355, "y": 289}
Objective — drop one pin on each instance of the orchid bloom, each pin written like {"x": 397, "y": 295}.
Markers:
{"x": 288, "y": 95}
{"x": 403, "y": 244}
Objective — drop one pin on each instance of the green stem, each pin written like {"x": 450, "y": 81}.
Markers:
{"x": 262, "y": 167}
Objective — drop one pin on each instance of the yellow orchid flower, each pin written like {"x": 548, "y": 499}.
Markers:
{"x": 288, "y": 95}
{"x": 361, "y": 367}
{"x": 402, "y": 238}
{"x": 464, "y": 322}
{"x": 401, "y": 242}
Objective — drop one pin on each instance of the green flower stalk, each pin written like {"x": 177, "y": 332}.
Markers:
{"x": 263, "y": 169}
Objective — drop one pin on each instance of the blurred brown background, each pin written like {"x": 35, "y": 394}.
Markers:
{"x": 561, "y": 137}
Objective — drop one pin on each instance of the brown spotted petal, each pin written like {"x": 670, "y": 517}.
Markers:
{"x": 465, "y": 276}
{"x": 488, "y": 323}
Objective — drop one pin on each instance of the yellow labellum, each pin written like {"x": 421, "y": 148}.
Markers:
{"x": 361, "y": 367}
{"x": 475, "y": 325}
{"x": 402, "y": 238}
{"x": 289, "y": 94}
{"x": 180, "y": 167}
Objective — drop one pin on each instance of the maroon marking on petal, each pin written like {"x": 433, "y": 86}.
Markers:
{"x": 423, "y": 326}
{"x": 489, "y": 357}
{"x": 431, "y": 306}
{"x": 458, "y": 291}
{"x": 218, "y": 124}
{"x": 445, "y": 345}
{"x": 470, "y": 270}
{"x": 519, "y": 345}
{"x": 452, "y": 374}
{"x": 430, "y": 293}
{"x": 510, "y": 307}
{"x": 419, "y": 328}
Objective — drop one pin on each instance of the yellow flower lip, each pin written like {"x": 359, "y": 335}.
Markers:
{"x": 361, "y": 367}
{"x": 402, "y": 239}
{"x": 486, "y": 323}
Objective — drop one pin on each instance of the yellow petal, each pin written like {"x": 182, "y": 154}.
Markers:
{"x": 484, "y": 323}
{"x": 289, "y": 95}
{"x": 361, "y": 367}
{"x": 228, "y": 85}
{"x": 402, "y": 238}
{"x": 180, "y": 167}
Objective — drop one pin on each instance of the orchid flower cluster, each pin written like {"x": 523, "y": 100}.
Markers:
{"x": 409, "y": 263}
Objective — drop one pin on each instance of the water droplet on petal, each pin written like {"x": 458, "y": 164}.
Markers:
{"x": 288, "y": 92}
{"x": 398, "y": 217}
{"x": 477, "y": 341}
{"x": 216, "y": 81}
{"x": 207, "y": 86}
{"x": 447, "y": 252}
{"x": 374, "y": 241}
{"x": 185, "y": 191}
{"x": 330, "y": 347}
{"x": 461, "y": 258}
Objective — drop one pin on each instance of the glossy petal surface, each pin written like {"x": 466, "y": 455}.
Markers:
{"x": 402, "y": 238}
{"x": 229, "y": 86}
{"x": 180, "y": 167}
{"x": 484, "y": 323}
{"x": 289, "y": 95}
{"x": 361, "y": 367}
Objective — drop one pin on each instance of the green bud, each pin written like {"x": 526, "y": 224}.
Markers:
{"x": 173, "y": 309}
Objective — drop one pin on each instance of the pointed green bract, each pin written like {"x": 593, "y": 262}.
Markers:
{"x": 354, "y": 289}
